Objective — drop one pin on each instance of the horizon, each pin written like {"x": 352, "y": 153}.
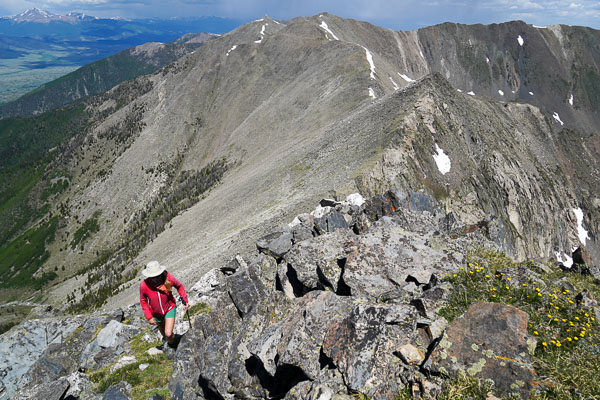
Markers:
{"x": 385, "y": 13}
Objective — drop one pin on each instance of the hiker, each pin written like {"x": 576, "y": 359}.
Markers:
{"x": 157, "y": 301}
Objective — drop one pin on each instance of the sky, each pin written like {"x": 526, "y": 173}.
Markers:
{"x": 393, "y": 14}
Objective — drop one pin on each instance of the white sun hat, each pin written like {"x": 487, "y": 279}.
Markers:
{"x": 153, "y": 268}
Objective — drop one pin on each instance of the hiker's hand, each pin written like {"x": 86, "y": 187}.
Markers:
{"x": 152, "y": 321}
{"x": 186, "y": 306}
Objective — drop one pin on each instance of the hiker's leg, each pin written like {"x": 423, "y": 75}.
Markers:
{"x": 161, "y": 328}
{"x": 169, "y": 324}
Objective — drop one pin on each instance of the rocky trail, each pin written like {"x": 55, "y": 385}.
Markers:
{"x": 346, "y": 300}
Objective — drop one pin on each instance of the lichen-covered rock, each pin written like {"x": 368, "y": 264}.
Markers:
{"x": 361, "y": 346}
{"x": 490, "y": 342}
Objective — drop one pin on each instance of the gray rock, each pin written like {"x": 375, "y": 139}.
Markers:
{"x": 318, "y": 263}
{"x": 107, "y": 346}
{"x": 209, "y": 282}
{"x": 335, "y": 221}
{"x": 52, "y": 390}
{"x": 120, "y": 391}
{"x": 275, "y": 244}
{"x": 246, "y": 289}
{"x": 123, "y": 361}
{"x": 21, "y": 347}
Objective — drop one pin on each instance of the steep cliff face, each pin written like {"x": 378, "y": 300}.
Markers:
{"x": 316, "y": 104}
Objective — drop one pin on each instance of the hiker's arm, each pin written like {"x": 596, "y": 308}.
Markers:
{"x": 179, "y": 286}
{"x": 145, "y": 305}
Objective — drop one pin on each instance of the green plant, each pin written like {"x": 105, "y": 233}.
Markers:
{"x": 145, "y": 383}
{"x": 200, "y": 308}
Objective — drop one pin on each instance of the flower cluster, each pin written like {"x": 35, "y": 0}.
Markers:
{"x": 557, "y": 318}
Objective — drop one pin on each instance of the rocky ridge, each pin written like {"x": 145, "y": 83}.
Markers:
{"x": 344, "y": 300}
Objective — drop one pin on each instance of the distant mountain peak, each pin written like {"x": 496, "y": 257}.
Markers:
{"x": 42, "y": 16}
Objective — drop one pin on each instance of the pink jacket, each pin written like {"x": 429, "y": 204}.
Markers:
{"x": 156, "y": 302}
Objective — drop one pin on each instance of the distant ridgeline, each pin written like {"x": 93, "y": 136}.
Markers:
{"x": 102, "y": 75}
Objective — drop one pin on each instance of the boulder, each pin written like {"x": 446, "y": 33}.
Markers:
{"x": 318, "y": 263}
{"x": 388, "y": 256}
{"x": 275, "y": 244}
{"x": 107, "y": 346}
{"x": 120, "y": 391}
{"x": 490, "y": 342}
{"x": 362, "y": 345}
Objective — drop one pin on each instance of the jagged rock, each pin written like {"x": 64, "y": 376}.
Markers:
{"x": 120, "y": 391}
{"x": 80, "y": 387}
{"x": 317, "y": 263}
{"x": 275, "y": 244}
{"x": 388, "y": 256}
{"x": 297, "y": 339}
{"x": 490, "y": 341}
{"x": 432, "y": 300}
{"x": 200, "y": 368}
{"x": 52, "y": 390}
{"x": 361, "y": 346}
{"x": 107, "y": 345}
{"x": 329, "y": 203}
{"x": 381, "y": 205}
{"x": 208, "y": 282}
{"x": 361, "y": 223}
{"x": 302, "y": 232}
{"x": 266, "y": 267}
{"x": 233, "y": 265}
{"x": 60, "y": 359}
{"x": 246, "y": 289}
{"x": 21, "y": 347}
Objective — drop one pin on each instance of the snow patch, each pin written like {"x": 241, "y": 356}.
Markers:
{"x": 324, "y": 26}
{"x": 471, "y": 93}
{"x": 370, "y": 60}
{"x": 567, "y": 261}
{"x": 396, "y": 87}
{"x": 500, "y": 92}
{"x": 520, "y": 40}
{"x": 421, "y": 53}
{"x": 531, "y": 93}
{"x": 581, "y": 232}
{"x": 539, "y": 27}
{"x": 277, "y": 22}
{"x": 262, "y": 34}
{"x": 458, "y": 90}
{"x": 487, "y": 60}
{"x": 571, "y": 99}
{"x": 557, "y": 118}
{"x": 442, "y": 160}
{"x": 355, "y": 199}
{"x": 231, "y": 49}
{"x": 406, "y": 78}
{"x": 372, "y": 93}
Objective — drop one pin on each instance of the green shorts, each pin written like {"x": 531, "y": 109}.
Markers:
{"x": 170, "y": 314}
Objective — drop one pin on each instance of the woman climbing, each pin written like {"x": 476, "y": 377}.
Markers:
{"x": 157, "y": 301}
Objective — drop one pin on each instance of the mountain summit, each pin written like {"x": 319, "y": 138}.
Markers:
{"x": 40, "y": 16}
